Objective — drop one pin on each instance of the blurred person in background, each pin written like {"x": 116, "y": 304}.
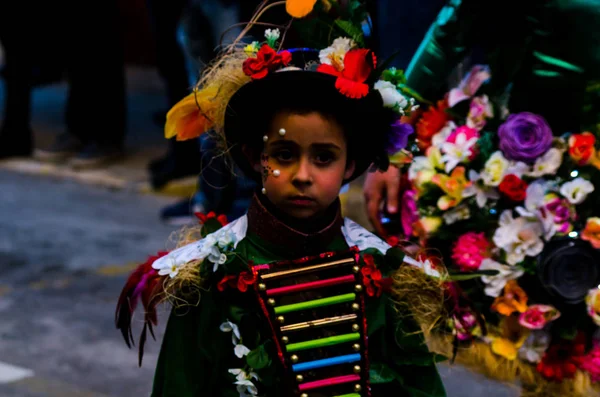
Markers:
{"x": 545, "y": 55}
{"x": 183, "y": 157}
{"x": 206, "y": 26}
{"x": 96, "y": 105}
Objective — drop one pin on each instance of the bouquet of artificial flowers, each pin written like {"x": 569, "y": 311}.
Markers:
{"x": 503, "y": 196}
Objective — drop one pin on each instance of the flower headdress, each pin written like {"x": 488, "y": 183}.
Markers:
{"x": 353, "y": 66}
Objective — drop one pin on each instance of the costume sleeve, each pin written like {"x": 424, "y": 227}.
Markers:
{"x": 192, "y": 360}
{"x": 401, "y": 363}
{"x": 446, "y": 43}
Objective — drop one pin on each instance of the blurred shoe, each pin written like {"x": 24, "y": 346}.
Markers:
{"x": 65, "y": 146}
{"x": 95, "y": 155}
{"x": 15, "y": 143}
{"x": 181, "y": 213}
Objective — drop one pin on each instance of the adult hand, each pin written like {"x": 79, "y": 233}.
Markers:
{"x": 377, "y": 186}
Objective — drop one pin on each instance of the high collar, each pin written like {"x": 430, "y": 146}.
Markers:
{"x": 297, "y": 238}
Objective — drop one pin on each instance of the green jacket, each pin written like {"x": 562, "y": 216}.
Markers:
{"x": 197, "y": 353}
{"x": 545, "y": 53}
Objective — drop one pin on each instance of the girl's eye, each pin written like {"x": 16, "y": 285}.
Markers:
{"x": 283, "y": 155}
{"x": 324, "y": 158}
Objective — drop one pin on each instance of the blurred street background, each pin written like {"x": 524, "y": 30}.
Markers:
{"x": 70, "y": 236}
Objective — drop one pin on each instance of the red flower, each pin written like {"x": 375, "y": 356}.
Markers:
{"x": 222, "y": 219}
{"x": 372, "y": 279}
{"x": 393, "y": 241}
{"x": 513, "y": 187}
{"x": 267, "y": 60}
{"x": 431, "y": 122}
{"x": 240, "y": 281}
{"x": 358, "y": 65}
{"x": 562, "y": 359}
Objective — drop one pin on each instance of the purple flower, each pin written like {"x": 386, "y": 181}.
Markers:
{"x": 524, "y": 137}
{"x": 399, "y": 136}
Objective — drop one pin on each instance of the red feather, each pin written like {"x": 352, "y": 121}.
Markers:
{"x": 142, "y": 285}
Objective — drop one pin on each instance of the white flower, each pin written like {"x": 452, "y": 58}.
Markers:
{"x": 334, "y": 54}
{"x": 517, "y": 168}
{"x": 239, "y": 349}
{"x": 519, "y": 237}
{"x": 272, "y": 35}
{"x": 495, "y": 284}
{"x": 442, "y": 135}
{"x": 547, "y": 164}
{"x": 456, "y": 214}
{"x": 481, "y": 192}
{"x": 576, "y": 190}
{"x": 228, "y": 326}
{"x": 391, "y": 96}
{"x": 494, "y": 169}
{"x": 458, "y": 152}
{"x": 244, "y": 382}
{"x": 423, "y": 168}
{"x": 535, "y": 345}
{"x": 225, "y": 238}
{"x": 171, "y": 270}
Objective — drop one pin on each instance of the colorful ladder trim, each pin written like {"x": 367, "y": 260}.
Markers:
{"x": 311, "y": 285}
{"x": 338, "y": 380}
{"x": 346, "y": 318}
{"x": 330, "y": 341}
{"x": 349, "y": 395}
{"x": 332, "y": 300}
{"x": 326, "y": 362}
{"x": 307, "y": 269}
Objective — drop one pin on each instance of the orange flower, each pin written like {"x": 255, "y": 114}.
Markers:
{"x": 431, "y": 122}
{"x": 581, "y": 147}
{"x": 513, "y": 300}
{"x": 591, "y": 232}
{"x": 453, "y": 185}
{"x": 511, "y": 338}
{"x": 188, "y": 118}
{"x": 299, "y": 8}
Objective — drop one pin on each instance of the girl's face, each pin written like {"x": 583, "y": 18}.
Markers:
{"x": 303, "y": 169}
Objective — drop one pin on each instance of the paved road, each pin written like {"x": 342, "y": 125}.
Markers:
{"x": 65, "y": 251}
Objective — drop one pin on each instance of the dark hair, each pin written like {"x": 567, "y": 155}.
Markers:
{"x": 365, "y": 134}
{"x": 366, "y": 123}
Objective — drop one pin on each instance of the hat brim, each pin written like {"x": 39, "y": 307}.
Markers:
{"x": 259, "y": 99}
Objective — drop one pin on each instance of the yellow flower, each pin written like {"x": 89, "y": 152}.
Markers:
{"x": 512, "y": 337}
{"x": 453, "y": 186}
{"x": 426, "y": 226}
{"x": 192, "y": 116}
{"x": 251, "y": 49}
{"x": 299, "y": 8}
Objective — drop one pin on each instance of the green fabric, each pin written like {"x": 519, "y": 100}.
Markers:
{"x": 196, "y": 355}
{"x": 546, "y": 52}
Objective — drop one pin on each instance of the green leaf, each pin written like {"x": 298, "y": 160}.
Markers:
{"x": 258, "y": 358}
{"x": 471, "y": 275}
{"x": 355, "y": 32}
{"x": 235, "y": 314}
{"x": 410, "y": 92}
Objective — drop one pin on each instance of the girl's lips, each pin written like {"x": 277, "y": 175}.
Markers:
{"x": 301, "y": 200}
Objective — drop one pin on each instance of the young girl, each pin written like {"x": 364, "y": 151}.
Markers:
{"x": 292, "y": 299}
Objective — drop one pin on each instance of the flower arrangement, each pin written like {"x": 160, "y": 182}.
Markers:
{"x": 504, "y": 197}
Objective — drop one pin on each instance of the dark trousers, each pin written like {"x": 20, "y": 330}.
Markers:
{"x": 88, "y": 41}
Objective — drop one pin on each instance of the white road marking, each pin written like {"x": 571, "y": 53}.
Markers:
{"x": 10, "y": 373}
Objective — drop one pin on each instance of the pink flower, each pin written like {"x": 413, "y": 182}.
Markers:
{"x": 537, "y": 316}
{"x": 470, "y": 250}
{"x": 408, "y": 212}
{"x": 465, "y": 325}
{"x": 468, "y": 87}
{"x": 465, "y": 135}
{"x": 590, "y": 363}
{"x": 480, "y": 110}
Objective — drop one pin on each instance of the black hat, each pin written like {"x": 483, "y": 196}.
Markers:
{"x": 366, "y": 122}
